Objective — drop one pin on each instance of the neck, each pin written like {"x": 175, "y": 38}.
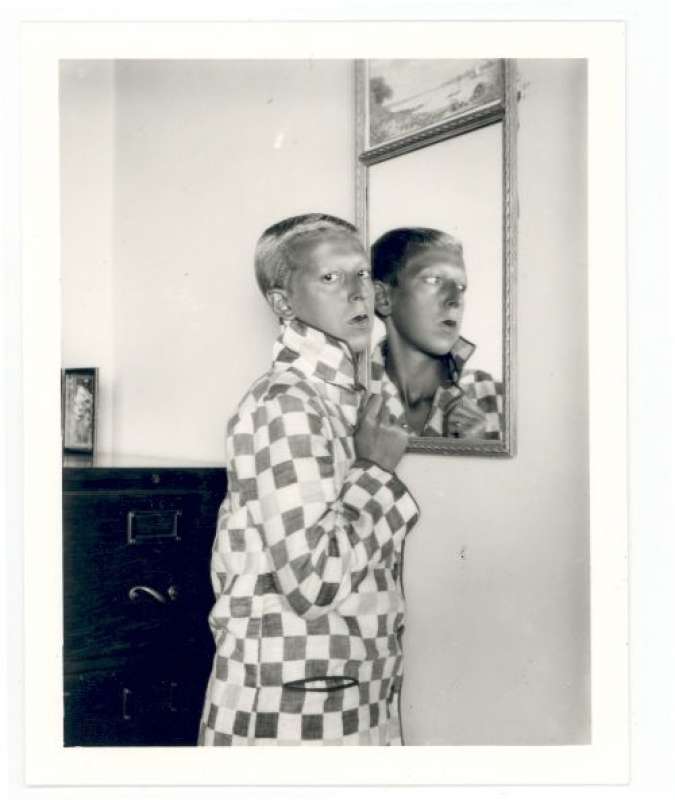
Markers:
{"x": 417, "y": 375}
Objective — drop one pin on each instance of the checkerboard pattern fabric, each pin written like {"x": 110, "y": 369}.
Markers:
{"x": 305, "y": 564}
{"x": 470, "y": 390}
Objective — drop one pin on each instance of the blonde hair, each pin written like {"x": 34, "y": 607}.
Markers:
{"x": 276, "y": 254}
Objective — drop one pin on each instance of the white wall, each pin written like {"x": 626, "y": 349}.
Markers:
{"x": 207, "y": 155}
{"x": 87, "y": 157}
{"x": 171, "y": 170}
{"x": 203, "y": 157}
{"x": 496, "y": 571}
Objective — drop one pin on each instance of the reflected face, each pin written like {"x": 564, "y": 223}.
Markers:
{"x": 427, "y": 305}
{"x": 332, "y": 290}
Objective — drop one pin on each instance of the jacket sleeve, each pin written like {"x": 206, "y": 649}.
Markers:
{"x": 320, "y": 539}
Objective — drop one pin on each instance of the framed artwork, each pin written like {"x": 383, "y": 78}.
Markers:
{"x": 413, "y": 102}
{"x": 436, "y": 163}
{"x": 79, "y": 387}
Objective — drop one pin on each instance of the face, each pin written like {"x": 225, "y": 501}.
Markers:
{"x": 332, "y": 290}
{"x": 427, "y": 305}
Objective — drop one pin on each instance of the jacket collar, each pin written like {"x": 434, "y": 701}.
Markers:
{"x": 446, "y": 397}
{"x": 461, "y": 352}
{"x": 315, "y": 353}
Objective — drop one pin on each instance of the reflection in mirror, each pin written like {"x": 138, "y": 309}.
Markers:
{"x": 439, "y": 221}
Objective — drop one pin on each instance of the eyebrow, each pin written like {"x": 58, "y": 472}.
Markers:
{"x": 433, "y": 267}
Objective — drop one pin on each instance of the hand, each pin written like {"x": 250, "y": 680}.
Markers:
{"x": 377, "y": 438}
{"x": 466, "y": 421}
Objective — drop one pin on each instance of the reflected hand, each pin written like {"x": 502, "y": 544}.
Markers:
{"x": 466, "y": 421}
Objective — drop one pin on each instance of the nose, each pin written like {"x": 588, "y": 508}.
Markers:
{"x": 357, "y": 289}
{"x": 453, "y": 295}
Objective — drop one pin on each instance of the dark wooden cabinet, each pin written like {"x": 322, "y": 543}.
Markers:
{"x": 136, "y": 597}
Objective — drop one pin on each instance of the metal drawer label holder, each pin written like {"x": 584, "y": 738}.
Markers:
{"x": 152, "y": 526}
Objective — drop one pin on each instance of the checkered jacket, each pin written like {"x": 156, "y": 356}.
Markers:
{"x": 473, "y": 387}
{"x": 305, "y": 564}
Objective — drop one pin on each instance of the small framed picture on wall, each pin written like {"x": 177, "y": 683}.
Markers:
{"x": 78, "y": 417}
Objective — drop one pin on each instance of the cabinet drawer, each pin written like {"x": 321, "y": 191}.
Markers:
{"x": 128, "y": 708}
{"x": 114, "y": 519}
{"x": 136, "y": 572}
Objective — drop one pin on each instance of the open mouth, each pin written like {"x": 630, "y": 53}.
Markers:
{"x": 449, "y": 323}
{"x": 360, "y": 320}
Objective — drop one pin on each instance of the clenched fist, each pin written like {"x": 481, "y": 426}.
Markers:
{"x": 377, "y": 438}
{"x": 465, "y": 421}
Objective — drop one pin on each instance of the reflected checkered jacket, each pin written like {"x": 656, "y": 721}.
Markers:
{"x": 305, "y": 563}
{"x": 473, "y": 387}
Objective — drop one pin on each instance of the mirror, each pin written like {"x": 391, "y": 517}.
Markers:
{"x": 436, "y": 150}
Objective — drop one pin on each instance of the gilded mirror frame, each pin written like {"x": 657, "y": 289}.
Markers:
{"x": 498, "y": 110}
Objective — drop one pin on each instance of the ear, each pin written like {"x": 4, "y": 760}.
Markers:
{"x": 281, "y": 304}
{"x": 382, "y": 298}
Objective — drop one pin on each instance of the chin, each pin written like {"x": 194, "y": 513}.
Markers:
{"x": 440, "y": 347}
{"x": 357, "y": 343}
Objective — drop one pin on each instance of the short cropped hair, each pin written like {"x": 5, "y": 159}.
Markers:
{"x": 392, "y": 251}
{"x": 277, "y": 251}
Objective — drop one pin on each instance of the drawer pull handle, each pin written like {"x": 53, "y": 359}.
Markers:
{"x": 136, "y": 591}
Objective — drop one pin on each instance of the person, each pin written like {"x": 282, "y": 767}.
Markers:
{"x": 419, "y": 368}
{"x": 306, "y": 560}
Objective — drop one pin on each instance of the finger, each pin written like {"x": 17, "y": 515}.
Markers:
{"x": 384, "y": 416}
{"x": 389, "y": 423}
{"x": 373, "y": 406}
{"x": 467, "y": 415}
{"x": 395, "y": 423}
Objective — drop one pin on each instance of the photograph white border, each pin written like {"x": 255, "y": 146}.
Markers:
{"x": 47, "y": 762}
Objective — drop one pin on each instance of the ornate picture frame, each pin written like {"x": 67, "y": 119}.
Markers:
{"x": 78, "y": 410}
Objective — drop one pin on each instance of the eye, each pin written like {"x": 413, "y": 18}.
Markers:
{"x": 330, "y": 277}
{"x": 432, "y": 280}
{"x": 365, "y": 274}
